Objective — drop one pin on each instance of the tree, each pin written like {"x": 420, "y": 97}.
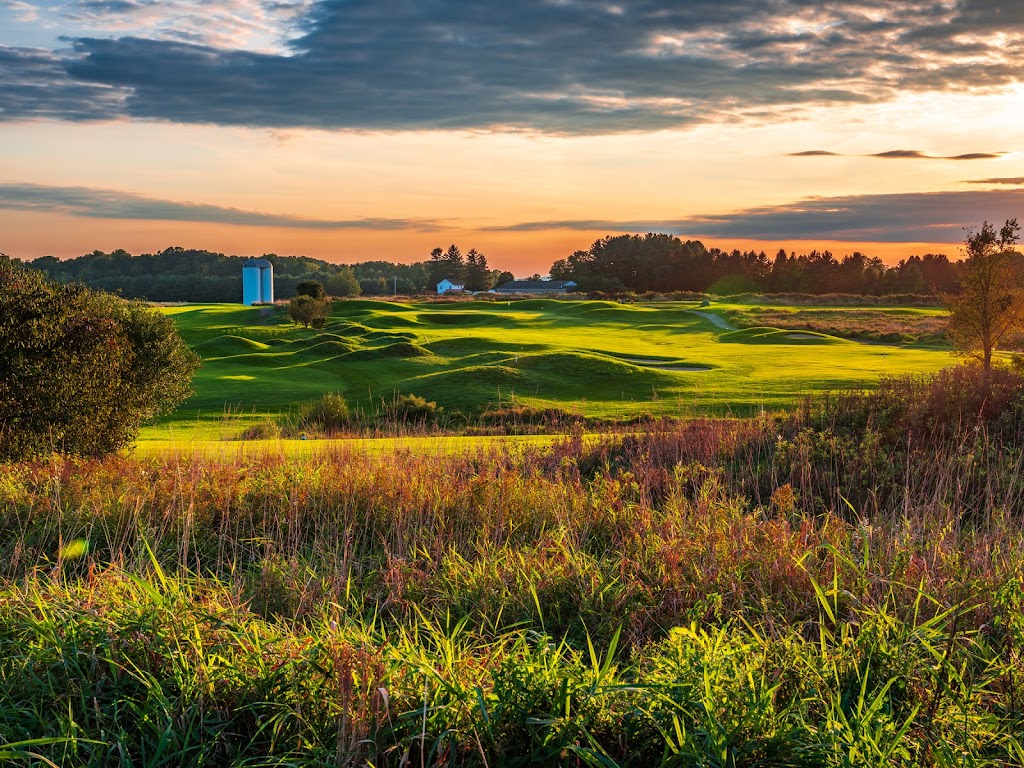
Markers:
{"x": 342, "y": 283}
{"x": 478, "y": 274}
{"x": 989, "y": 307}
{"x": 311, "y": 288}
{"x": 455, "y": 264}
{"x": 81, "y": 370}
{"x": 504, "y": 277}
{"x": 307, "y": 311}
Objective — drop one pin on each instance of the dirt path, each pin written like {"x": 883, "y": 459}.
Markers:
{"x": 716, "y": 320}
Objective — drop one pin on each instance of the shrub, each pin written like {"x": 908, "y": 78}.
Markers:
{"x": 407, "y": 408}
{"x": 81, "y": 370}
{"x": 328, "y": 414}
{"x": 927, "y": 406}
{"x": 264, "y": 430}
{"x": 307, "y": 311}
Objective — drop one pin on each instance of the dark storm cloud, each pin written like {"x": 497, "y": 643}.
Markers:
{"x": 939, "y": 217}
{"x": 556, "y": 66}
{"x": 87, "y": 202}
{"x": 33, "y": 84}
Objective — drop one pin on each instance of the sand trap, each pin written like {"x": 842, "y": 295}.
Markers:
{"x": 808, "y": 336}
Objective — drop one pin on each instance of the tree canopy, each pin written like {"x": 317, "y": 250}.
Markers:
{"x": 81, "y": 370}
{"x": 660, "y": 262}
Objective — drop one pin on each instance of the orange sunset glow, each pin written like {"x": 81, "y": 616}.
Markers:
{"x": 751, "y": 135}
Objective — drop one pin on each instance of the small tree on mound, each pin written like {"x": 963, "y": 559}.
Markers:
{"x": 81, "y": 370}
{"x": 307, "y": 311}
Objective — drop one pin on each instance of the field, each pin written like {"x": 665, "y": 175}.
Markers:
{"x": 824, "y": 569}
{"x": 597, "y": 358}
{"x": 728, "y": 593}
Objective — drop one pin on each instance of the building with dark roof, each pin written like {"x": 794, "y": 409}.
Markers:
{"x": 536, "y": 286}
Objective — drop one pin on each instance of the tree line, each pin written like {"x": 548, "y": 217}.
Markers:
{"x": 614, "y": 264}
{"x": 196, "y": 275}
{"x": 664, "y": 263}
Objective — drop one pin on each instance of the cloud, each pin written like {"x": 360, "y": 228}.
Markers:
{"x": 88, "y": 202}
{"x": 23, "y": 12}
{"x": 262, "y": 25}
{"x": 552, "y": 66}
{"x": 33, "y": 84}
{"x": 914, "y": 154}
{"x": 902, "y": 154}
{"x": 930, "y": 217}
{"x": 1011, "y": 181}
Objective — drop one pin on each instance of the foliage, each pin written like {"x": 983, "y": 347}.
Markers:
{"x": 328, "y": 414}
{"x": 81, "y": 371}
{"x": 478, "y": 274}
{"x": 989, "y": 306}
{"x": 660, "y": 262}
{"x": 654, "y": 598}
{"x": 410, "y": 408}
{"x": 311, "y": 288}
{"x": 308, "y": 311}
{"x": 342, "y": 283}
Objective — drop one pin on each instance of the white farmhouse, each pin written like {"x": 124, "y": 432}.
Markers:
{"x": 446, "y": 286}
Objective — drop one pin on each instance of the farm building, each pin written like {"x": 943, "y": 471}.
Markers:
{"x": 447, "y": 286}
{"x": 536, "y": 286}
{"x": 257, "y": 282}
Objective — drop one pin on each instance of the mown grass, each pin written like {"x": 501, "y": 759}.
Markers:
{"x": 599, "y": 358}
{"x": 781, "y": 591}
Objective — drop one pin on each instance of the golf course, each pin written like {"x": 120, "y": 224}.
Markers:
{"x": 596, "y": 358}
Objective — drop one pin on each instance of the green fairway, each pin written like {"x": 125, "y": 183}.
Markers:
{"x": 599, "y": 358}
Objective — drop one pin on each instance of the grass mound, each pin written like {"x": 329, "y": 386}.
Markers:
{"x": 462, "y": 318}
{"x": 471, "y": 345}
{"x": 352, "y": 306}
{"x": 778, "y": 336}
{"x": 328, "y": 348}
{"x": 390, "y": 320}
{"x": 400, "y": 349}
{"x": 387, "y": 337}
{"x": 226, "y": 346}
{"x": 578, "y": 365}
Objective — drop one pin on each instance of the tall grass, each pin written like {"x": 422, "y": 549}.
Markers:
{"x": 793, "y": 591}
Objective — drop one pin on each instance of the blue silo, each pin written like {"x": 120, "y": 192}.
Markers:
{"x": 267, "y": 282}
{"x": 257, "y": 281}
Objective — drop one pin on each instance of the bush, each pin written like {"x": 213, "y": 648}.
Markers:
{"x": 407, "y": 408}
{"x": 929, "y": 406}
{"x": 307, "y": 311}
{"x": 328, "y": 414}
{"x": 81, "y": 370}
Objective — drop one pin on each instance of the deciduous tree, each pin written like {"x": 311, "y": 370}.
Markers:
{"x": 307, "y": 311}
{"x": 989, "y": 306}
{"x": 81, "y": 370}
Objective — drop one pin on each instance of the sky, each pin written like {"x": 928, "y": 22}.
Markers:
{"x": 352, "y": 130}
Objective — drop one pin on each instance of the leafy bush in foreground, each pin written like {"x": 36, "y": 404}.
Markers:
{"x": 80, "y": 370}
